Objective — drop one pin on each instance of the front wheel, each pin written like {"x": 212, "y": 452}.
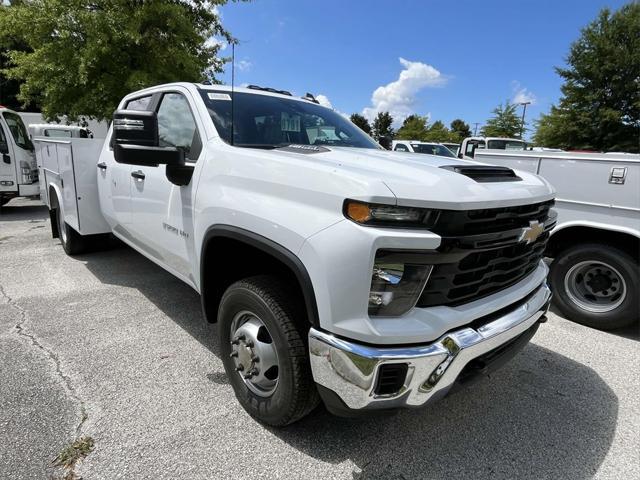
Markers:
{"x": 264, "y": 350}
{"x": 597, "y": 285}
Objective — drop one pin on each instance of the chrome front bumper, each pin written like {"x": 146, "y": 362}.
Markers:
{"x": 350, "y": 370}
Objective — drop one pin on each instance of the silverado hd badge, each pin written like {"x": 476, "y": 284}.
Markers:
{"x": 531, "y": 233}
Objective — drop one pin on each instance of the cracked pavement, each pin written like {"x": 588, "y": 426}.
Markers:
{"x": 109, "y": 345}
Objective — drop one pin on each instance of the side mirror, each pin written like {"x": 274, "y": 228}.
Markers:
{"x": 385, "y": 142}
{"x": 136, "y": 141}
{"x": 4, "y": 148}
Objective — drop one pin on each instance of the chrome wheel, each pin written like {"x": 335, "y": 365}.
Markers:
{"x": 595, "y": 286}
{"x": 61, "y": 230}
{"x": 254, "y": 354}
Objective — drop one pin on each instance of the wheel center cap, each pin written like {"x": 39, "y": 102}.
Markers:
{"x": 600, "y": 283}
{"x": 244, "y": 356}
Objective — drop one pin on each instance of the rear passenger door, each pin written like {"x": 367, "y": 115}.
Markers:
{"x": 162, "y": 211}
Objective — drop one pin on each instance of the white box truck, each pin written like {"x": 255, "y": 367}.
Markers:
{"x": 595, "y": 274}
{"x": 18, "y": 171}
{"x": 334, "y": 269}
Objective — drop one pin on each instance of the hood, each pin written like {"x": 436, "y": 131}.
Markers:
{"x": 419, "y": 179}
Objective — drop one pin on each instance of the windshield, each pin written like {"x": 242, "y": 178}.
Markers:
{"x": 261, "y": 121}
{"x": 506, "y": 145}
{"x": 18, "y": 131}
{"x": 431, "y": 149}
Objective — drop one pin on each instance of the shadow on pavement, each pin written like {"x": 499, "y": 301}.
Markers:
{"x": 542, "y": 416}
{"x": 18, "y": 212}
{"x": 632, "y": 332}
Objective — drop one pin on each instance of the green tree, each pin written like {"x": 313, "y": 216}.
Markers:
{"x": 382, "y": 126}
{"x": 460, "y": 129}
{"x": 83, "y": 56}
{"x": 504, "y": 123}
{"x": 438, "y": 132}
{"x": 361, "y": 122}
{"x": 600, "y": 104}
{"x": 414, "y": 127}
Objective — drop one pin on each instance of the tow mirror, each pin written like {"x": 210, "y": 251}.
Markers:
{"x": 385, "y": 142}
{"x": 136, "y": 140}
{"x": 4, "y": 148}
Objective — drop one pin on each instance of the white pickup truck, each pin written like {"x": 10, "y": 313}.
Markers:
{"x": 18, "y": 171}
{"x": 595, "y": 274}
{"x": 334, "y": 269}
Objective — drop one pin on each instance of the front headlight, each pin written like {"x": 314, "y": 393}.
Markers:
{"x": 374, "y": 214}
{"x": 397, "y": 281}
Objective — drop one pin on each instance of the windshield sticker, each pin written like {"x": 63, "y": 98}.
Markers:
{"x": 289, "y": 123}
{"x": 219, "y": 96}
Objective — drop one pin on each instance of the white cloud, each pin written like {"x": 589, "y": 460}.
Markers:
{"x": 324, "y": 101}
{"x": 521, "y": 94}
{"x": 212, "y": 41}
{"x": 399, "y": 96}
{"x": 244, "y": 65}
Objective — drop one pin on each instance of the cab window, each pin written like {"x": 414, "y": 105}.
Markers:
{"x": 177, "y": 127}
{"x": 401, "y": 148}
{"x": 57, "y": 133}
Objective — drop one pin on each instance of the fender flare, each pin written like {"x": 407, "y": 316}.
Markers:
{"x": 595, "y": 225}
{"x": 284, "y": 255}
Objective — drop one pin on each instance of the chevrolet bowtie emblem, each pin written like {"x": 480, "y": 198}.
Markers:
{"x": 531, "y": 233}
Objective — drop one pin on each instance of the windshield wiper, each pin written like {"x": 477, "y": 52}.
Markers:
{"x": 263, "y": 146}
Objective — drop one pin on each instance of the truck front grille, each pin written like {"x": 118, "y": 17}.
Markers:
{"x": 472, "y": 265}
{"x": 481, "y": 273}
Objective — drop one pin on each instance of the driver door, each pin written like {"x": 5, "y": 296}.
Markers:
{"x": 162, "y": 213}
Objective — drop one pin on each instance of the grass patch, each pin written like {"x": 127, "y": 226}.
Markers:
{"x": 79, "y": 449}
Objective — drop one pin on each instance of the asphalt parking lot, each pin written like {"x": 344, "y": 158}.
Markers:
{"x": 109, "y": 346}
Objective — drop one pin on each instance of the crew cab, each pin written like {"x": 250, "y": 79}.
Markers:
{"x": 18, "y": 171}
{"x": 335, "y": 270}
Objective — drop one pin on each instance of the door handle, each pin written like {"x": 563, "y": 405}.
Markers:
{"x": 138, "y": 175}
{"x": 102, "y": 166}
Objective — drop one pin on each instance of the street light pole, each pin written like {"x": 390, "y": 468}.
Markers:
{"x": 475, "y": 131}
{"x": 524, "y": 110}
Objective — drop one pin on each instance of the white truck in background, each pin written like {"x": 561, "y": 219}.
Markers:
{"x": 334, "y": 269}
{"x": 18, "y": 170}
{"x": 470, "y": 145}
{"x": 595, "y": 274}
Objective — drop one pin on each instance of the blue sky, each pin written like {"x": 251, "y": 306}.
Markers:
{"x": 449, "y": 59}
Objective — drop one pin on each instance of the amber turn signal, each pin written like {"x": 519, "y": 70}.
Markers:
{"x": 358, "y": 212}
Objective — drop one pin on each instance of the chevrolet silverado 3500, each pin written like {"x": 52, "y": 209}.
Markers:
{"x": 334, "y": 270}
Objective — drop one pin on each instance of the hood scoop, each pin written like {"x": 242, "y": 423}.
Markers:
{"x": 484, "y": 173}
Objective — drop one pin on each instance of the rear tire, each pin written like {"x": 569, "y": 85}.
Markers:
{"x": 72, "y": 242}
{"x": 259, "y": 324}
{"x": 597, "y": 285}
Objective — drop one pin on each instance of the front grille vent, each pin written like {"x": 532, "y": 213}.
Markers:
{"x": 484, "y": 173}
{"x": 391, "y": 377}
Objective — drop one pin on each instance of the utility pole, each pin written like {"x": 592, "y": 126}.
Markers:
{"x": 475, "y": 130}
{"x": 524, "y": 110}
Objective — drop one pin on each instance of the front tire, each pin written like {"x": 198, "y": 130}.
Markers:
{"x": 597, "y": 285}
{"x": 264, "y": 350}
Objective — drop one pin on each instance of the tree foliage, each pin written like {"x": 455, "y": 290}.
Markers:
{"x": 600, "y": 104}
{"x": 382, "y": 126}
{"x": 438, "y": 132}
{"x": 460, "y": 129}
{"x": 83, "y": 56}
{"x": 414, "y": 127}
{"x": 361, "y": 122}
{"x": 504, "y": 123}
